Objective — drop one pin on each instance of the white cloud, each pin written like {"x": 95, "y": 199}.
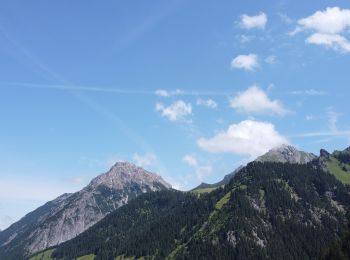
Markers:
{"x": 328, "y": 26}
{"x": 255, "y": 100}
{"x": 176, "y": 111}
{"x": 207, "y": 103}
{"x": 201, "y": 170}
{"x": 166, "y": 93}
{"x": 258, "y": 21}
{"x": 145, "y": 160}
{"x": 332, "y": 21}
{"x": 246, "y": 62}
{"x": 333, "y": 41}
{"x": 248, "y": 137}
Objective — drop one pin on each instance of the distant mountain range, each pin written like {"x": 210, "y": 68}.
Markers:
{"x": 70, "y": 214}
{"x": 285, "y": 204}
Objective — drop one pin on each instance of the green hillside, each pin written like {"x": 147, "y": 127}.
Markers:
{"x": 339, "y": 165}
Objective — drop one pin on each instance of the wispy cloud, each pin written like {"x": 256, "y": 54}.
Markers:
{"x": 178, "y": 111}
{"x": 77, "y": 88}
{"x": 113, "y": 90}
{"x": 309, "y": 92}
{"x": 272, "y": 59}
{"x": 209, "y": 103}
{"x": 332, "y": 132}
{"x": 169, "y": 93}
{"x": 285, "y": 18}
{"x": 200, "y": 170}
{"x": 144, "y": 160}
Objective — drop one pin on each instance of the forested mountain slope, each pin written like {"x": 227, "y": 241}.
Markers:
{"x": 268, "y": 211}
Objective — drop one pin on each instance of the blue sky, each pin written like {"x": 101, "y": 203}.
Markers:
{"x": 189, "y": 89}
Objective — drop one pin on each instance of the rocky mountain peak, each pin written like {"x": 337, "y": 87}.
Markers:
{"x": 324, "y": 153}
{"x": 126, "y": 173}
{"x": 286, "y": 153}
{"x": 70, "y": 214}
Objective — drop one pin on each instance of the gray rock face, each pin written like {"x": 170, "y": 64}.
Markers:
{"x": 286, "y": 153}
{"x": 70, "y": 214}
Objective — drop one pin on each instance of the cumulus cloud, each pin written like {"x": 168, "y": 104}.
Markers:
{"x": 258, "y": 21}
{"x": 167, "y": 93}
{"x": 207, "y": 103}
{"x": 255, "y": 100}
{"x": 328, "y": 28}
{"x": 200, "y": 170}
{"x": 246, "y": 62}
{"x": 176, "y": 111}
{"x": 333, "y": 20}
{"x": 248, "y": 137}
{"x": 145, "y": 160}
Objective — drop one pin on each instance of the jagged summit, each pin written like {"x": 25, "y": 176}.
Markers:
{"x": 123, "y": 173}
{"x": 286, "y": 153}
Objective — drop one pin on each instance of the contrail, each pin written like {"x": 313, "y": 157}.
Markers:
{"x": 121, "y": 91}
{"x": 77, "y": 88}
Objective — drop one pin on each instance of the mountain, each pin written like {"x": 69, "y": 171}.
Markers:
{"x": 269, "y": 210}
{"x": 206, "y": 187}
{"x": 70, "y": 214}
{"x": 283, "y": 153}
{"x": 286, "y": 153}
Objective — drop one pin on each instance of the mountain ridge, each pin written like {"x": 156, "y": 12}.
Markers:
{"x": 283, "y": 153}
{"x": 72, "y": 213}
{"x": 269, "y": 210}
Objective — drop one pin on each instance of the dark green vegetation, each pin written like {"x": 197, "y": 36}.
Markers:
{"x": 339, "y": 250}
{"x": 154, "y": 221}
{"x": 268, "y": 211}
